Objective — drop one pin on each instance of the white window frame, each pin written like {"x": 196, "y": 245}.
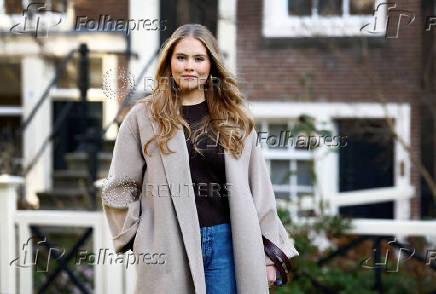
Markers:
{"x": 288, "y": 154}
{"x": 278, "y": 23}
{"x": 327, "y": 163}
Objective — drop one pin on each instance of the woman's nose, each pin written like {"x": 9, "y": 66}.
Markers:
{"x": 189, "y": 64}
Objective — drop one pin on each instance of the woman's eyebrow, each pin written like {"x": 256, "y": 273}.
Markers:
{"x": 183, "y": 54}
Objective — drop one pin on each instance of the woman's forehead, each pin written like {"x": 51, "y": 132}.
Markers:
{"x": 190, "y": 46}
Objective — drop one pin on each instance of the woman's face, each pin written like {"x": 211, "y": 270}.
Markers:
{"x": 190, "y": 64}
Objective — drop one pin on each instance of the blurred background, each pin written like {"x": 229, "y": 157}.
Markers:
{"x": 349, "y": 84}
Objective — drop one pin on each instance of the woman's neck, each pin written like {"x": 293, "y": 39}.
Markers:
{"x": 192, "y": 97}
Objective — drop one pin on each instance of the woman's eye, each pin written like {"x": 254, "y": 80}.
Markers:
{"x": 199, "y": 59}
{"x": 180, "y": 57}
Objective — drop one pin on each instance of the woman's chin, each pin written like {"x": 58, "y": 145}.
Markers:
{"x": 191, "y": 87}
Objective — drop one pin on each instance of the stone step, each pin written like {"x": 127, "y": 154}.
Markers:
{"x": 69, "y": 178}
{"x": 66, "y": 199}
{"x": 79, "y": 161}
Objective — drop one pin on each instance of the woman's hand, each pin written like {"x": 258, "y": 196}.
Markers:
{"x": 271, "y": 274}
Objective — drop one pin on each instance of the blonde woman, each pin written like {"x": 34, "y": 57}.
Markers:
{"x": 188, "y": 190}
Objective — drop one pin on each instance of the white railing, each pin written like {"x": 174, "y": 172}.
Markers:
{"x": 334, "y": 201}
{"x": 386, "y": 227}
{"x": 108, "y": 278}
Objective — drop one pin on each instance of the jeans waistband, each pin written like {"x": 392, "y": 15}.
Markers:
{"x": 225, "y": 227}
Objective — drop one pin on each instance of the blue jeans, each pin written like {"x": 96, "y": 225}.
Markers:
{"x": 218, "y": 261}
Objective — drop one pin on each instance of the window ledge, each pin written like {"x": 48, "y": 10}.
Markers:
{"x": 320, "y": 42}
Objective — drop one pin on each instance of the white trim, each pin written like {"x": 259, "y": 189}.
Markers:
{"x": 11, "y": 110}
{"x": 93, "y": 94}
{"x": 292, "y": 110}
{"x": 287, "y": 155}
{"x": 60, "y": 45}
{"x": 370, "y": 196}
{"x": 386, "y": 227}
{"x": 144, "y": 42}
{"x": 277, "y": 22}
{"x": 389, "y": 227}
{"x": 227, "y": 32}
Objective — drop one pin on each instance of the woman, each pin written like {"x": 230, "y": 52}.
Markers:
{"x": 188, "y": 190}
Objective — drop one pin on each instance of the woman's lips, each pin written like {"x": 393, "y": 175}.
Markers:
{"x": 189, "y": 77}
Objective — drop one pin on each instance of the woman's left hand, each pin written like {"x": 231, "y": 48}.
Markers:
{"x": 271, "y": 274}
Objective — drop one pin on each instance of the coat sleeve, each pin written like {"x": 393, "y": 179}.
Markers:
{"x": 121, "y": 189}
{"x": 265, "y": 202}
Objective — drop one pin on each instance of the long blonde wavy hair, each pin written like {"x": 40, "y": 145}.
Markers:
{"x": 229, "y": 118}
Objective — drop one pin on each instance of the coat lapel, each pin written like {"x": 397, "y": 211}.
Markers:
{"x": 179, "y": 179}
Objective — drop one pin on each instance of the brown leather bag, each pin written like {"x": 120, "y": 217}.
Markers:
{"x": 278, "y": 257}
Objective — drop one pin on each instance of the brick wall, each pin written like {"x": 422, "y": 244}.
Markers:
{"x": 93, "y": 9}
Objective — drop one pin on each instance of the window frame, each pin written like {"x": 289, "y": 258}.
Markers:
{"x": 277, "y": 23}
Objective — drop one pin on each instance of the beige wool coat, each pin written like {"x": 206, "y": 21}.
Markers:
{"x": 165, "y": 230}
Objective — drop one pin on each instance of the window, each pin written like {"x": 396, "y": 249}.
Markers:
{"x": 300, "y": 7}
{"x": 361, "y": 6}
{"x": 10, "y": 83}
{"x": 330, "y": 7}
{"x": 367, "y": 162}
{"x": 291, "y": 169}
{"x": 324, "y": 18}
{"x": 10, "y": 144}
{"x": 68, "y": 80}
